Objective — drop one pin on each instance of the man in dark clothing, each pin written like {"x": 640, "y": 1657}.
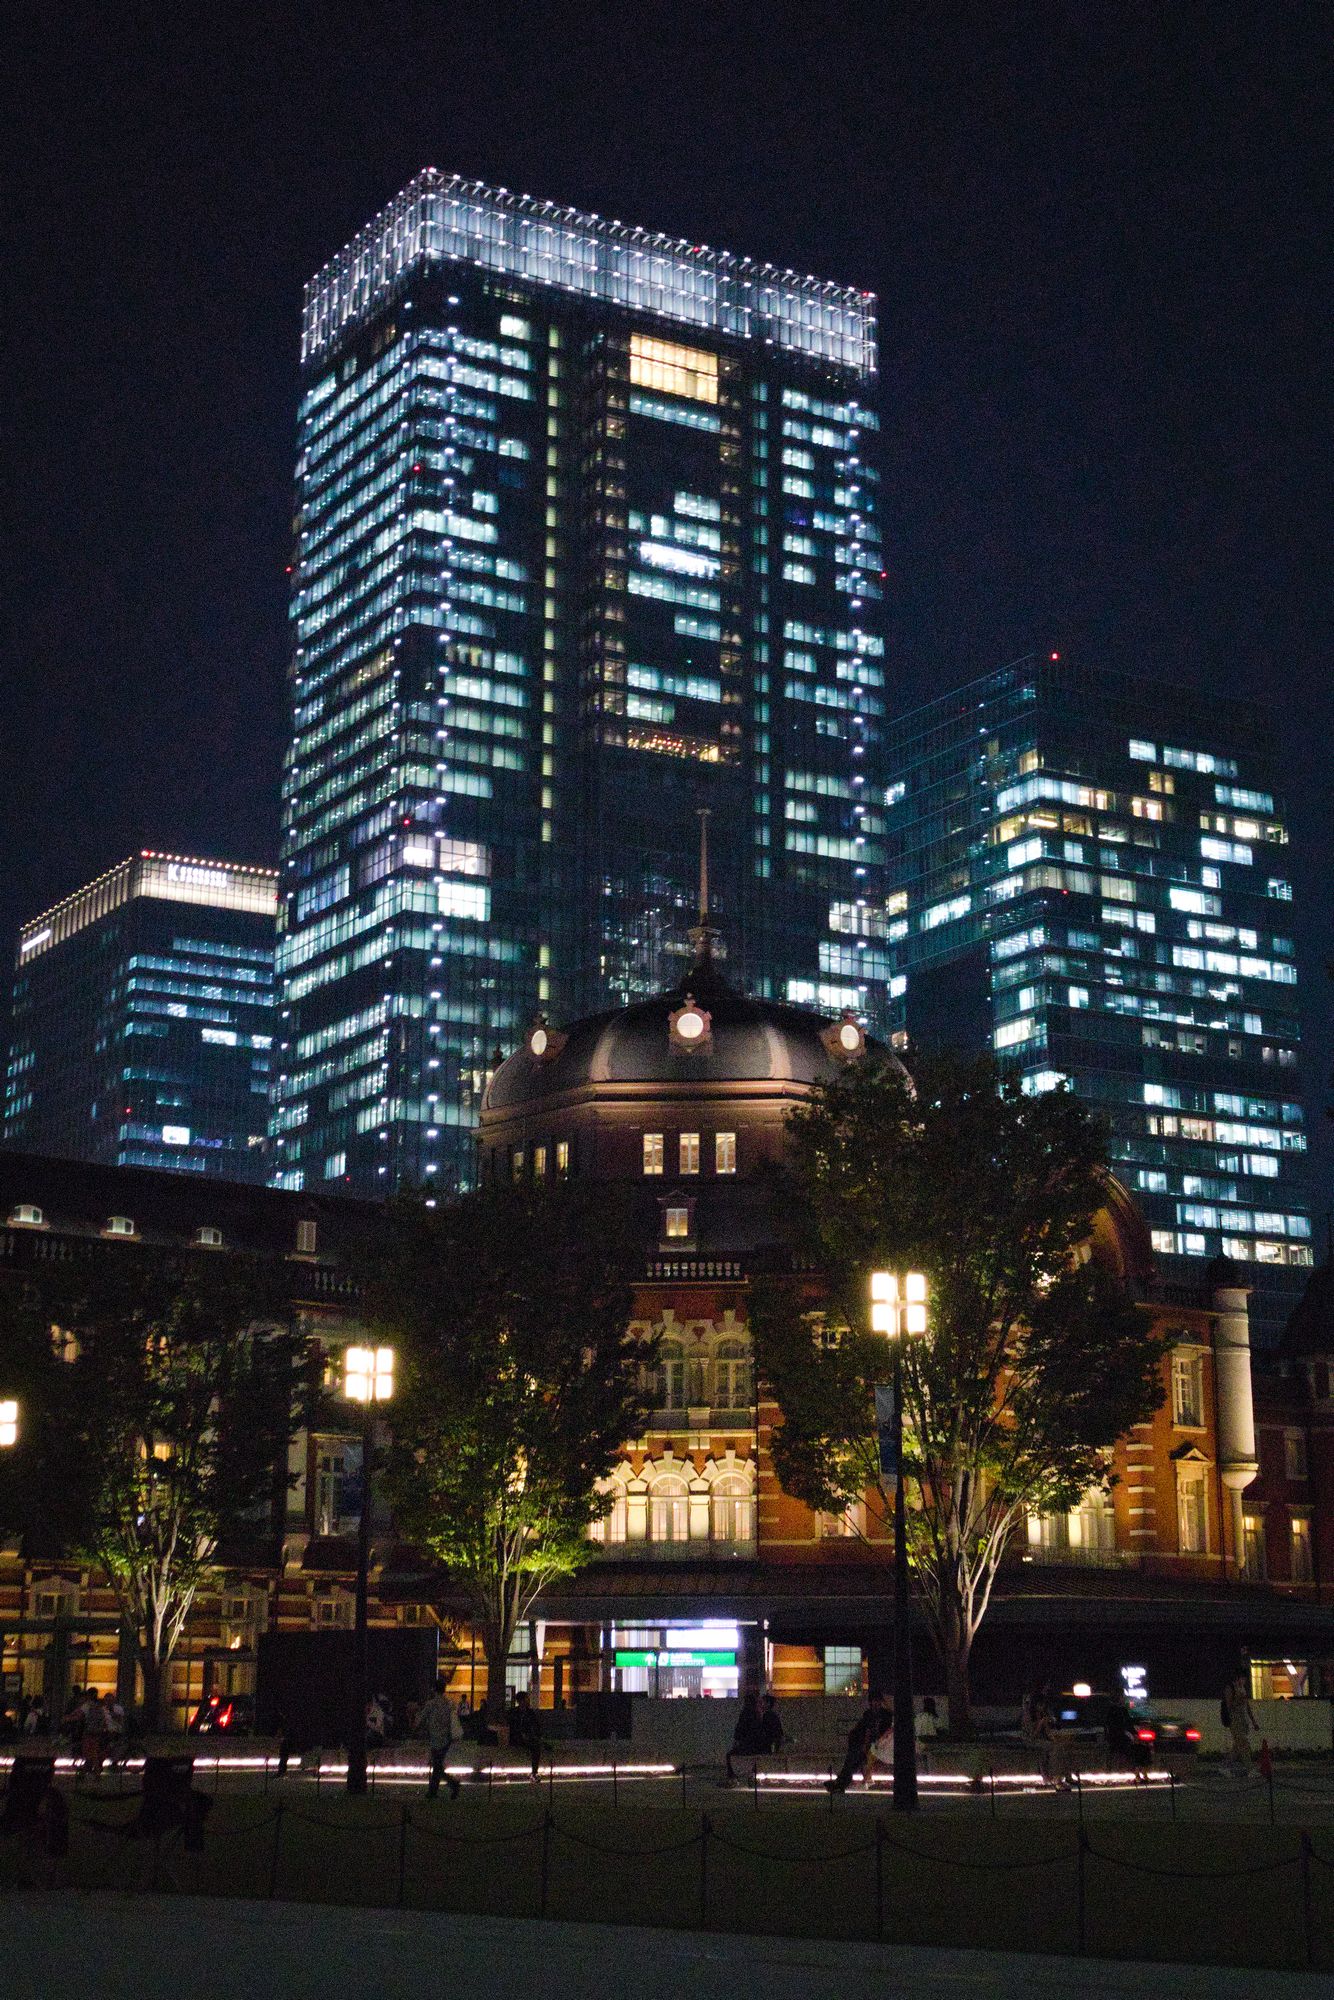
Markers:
{"x": 772, "y": 1737}
{"x": 746, "y": 1737}
{"x": 875, "y": 1720}
{"x": 526, "y": 1729}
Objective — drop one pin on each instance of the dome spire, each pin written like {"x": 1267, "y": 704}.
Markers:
{"x": 702, "y": 934}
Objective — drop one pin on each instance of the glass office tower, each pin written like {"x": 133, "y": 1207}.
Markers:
{"x": 1089, "y": 875}
{"x": 586, "y": 543}
{"x": 143, "y": 1020}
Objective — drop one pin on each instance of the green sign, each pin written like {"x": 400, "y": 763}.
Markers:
{"x": 665, "y": 1659}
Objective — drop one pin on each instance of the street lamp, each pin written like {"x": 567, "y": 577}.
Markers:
{"x": 9, "y": 1423}
{"x": 368, "y": 1379}
{"x": 898, "y": 1308}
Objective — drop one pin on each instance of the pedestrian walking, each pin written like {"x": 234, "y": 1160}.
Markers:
{"x": 747, "y": 1737}
{"x": 872, "y": 1725}
{"x": 772, "y": 1734}
{"x": 526, "y": 1729}
{"x": 440, "y": 1725}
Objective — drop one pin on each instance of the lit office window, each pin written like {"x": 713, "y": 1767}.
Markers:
{"x": 675, "y": 370}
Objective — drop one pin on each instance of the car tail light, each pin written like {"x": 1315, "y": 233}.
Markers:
{"x": 1145, "y": 1735}
{"x": 1192, "y": 1736}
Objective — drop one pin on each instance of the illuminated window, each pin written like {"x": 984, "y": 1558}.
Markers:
{"x": 724, "y": 1152}
{"x": 653, "y": 1153}
{"x": 690, "y": 1152}
{"x": 1192, "y": 1514}
{"x": 678, "y": 1222}
{"x": 672, "y": 369}
{"x": 516, "y": 1164}
{"x": 539, "y": 1163}
{"x": 669, "y": 1510}
{"x": 562, "y": 1156}
{"x": 1253, "y": 1547}
{"x": 842, "y": 1670}
{"x": 1301, "y": 1562}
{"x": 1187, "y": 1391}
{"x": 306, "y": 1235}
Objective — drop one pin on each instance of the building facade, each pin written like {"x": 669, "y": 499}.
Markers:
{"x": 1088, "y": 874}
{"x": 143, "y": 1020}
{"x": 586, "y": 545}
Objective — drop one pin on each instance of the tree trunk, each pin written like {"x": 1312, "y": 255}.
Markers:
{"x": 496, "y": 1642}
{"x": 155, "y": 1687}
{"x": 955, "y": 1647}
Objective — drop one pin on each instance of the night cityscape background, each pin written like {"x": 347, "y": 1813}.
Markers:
{"x": 1098, "y": 248}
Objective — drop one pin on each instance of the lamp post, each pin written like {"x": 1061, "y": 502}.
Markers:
{"x": 898, "y": 1308}
{"x": 368, "y": 1379}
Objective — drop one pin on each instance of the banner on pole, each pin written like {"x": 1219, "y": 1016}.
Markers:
{"x": 887, "y": 1431}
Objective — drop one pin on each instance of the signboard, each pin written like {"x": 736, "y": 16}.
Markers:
{"x": 638, "y": 1658}
{"x": 887, "y": 1429}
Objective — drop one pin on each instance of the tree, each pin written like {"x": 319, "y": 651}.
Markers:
{"x": 158, "y": 1437}
{"x": 519, "y": 1385}
{"x": 1036, "y": 1359}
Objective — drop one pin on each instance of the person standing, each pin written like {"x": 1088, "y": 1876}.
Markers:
{"x": 1239, "y": 1720}
{"x": 772, "y": 1734}
{"x": 440, "y": 1725}
{"x": 96, "y": 1730}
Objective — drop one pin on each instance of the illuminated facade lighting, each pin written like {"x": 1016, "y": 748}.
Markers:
{"x": 586, "y": 540}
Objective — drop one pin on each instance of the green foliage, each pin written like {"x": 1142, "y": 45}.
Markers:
{"x": 1036, "y": 1361}
{"x": 163, "y": 1438}
{"x": 519, "y": 1383}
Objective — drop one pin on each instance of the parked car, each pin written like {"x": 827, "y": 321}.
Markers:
{"x": 223, "y": 1715}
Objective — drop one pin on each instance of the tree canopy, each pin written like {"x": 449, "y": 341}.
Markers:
{"x": 519, "y": 1385}
{"x": 158, "y": 1403}
{"x": 1036, "y": 1359}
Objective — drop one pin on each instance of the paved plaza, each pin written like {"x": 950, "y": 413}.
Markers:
{"x": 129, "y": 1949}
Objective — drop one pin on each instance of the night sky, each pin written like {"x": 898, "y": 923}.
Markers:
{"x": 1100, "y": 236}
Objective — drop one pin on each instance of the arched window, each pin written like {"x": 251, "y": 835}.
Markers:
{"x": 614, "y": 1525}
{"x": 732, "y": 1511}
{"x": 733, "y": 1388}
{"x": 670, "y": 1389}
{"x": 669, "y": 1509}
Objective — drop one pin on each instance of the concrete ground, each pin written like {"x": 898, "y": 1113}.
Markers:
{"x": 124, "y": 1948}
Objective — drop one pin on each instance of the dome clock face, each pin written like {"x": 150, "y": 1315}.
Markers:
{"x": 539, "y": 1041}
{"x": 690, "y": 1025}
{"x": 850, "y": 1037}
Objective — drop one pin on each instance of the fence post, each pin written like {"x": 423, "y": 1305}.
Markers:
{"x": 1269, "y": 1777}
{"x": 546, "y": 1863}
{"x": 683, "y": 1782}
{"x": 402, "y": 1853}
{"x": 993, "y": 1791}
{"x": 705, "y": 1829}
{"x": 1080, "y": 1892}
{"x": 1308, "y": 1924}
{"x": 879, "y": 1878}
{"x": 1172, "y": 1776}
{"x": 1079, "y": 1795}
{"x": 551, "y": 1779}
{"x": 273, "y": 1851}
{"x": 614, "y": 1799}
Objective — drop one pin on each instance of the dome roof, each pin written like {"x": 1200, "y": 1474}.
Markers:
{"x": 746, "y": 1041}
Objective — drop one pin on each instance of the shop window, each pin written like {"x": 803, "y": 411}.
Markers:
{"x": 1188, "y": 1391}
{"x": 843, "y": 1670}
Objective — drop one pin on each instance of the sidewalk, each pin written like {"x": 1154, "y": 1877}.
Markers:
{"x": 124, "y": 1948}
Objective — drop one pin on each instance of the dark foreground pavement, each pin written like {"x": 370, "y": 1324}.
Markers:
{"x": 167, "y": 1948}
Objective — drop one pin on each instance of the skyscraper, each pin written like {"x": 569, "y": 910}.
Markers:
{"x": 1089, "y": 875}
{"x": 586, "y": 542}
{"x": 143, "y": 1020}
